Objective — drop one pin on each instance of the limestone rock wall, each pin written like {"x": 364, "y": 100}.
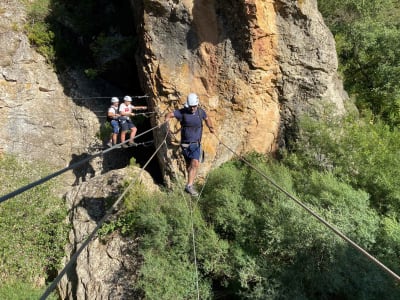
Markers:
{"x": 308, "y": 62}
{"x": 107, "y": 268}
{"x": 255, "y": 64}
{"x": 44, "y": 117}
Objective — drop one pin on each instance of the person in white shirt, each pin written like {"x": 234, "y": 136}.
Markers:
{"x": 126, "y": 112}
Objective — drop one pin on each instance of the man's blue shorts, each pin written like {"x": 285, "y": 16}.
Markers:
{"x": 126, "y": 124}
{"x": 115, "y": 126}
{"x": 192, "y": 151}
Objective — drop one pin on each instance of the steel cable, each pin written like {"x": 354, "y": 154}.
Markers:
{"x": 74, "y": 257}
{"x": 315, "y": 215}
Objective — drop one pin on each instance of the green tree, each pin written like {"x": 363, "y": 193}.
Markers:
{"x": 364, "y": 154}
{"x": 253, "y": 242}
{"x": 367, "y": 36}
{"x": 276, "y": 250}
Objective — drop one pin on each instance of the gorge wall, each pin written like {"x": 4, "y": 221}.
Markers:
{"x": 44, "y": 115}
{"x": 256, "y": 66}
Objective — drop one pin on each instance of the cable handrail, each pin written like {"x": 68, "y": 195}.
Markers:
{"x": 315, "y": 215}
{"x": 75, "y": 256}
{"x": 70, "y": 167}
{"x": 191, "y": 209}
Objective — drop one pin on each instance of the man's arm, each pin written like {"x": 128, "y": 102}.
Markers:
{"x": 168, "y": 116}
{"x": 139, "y": 107}
{"x": 209, "y": 125}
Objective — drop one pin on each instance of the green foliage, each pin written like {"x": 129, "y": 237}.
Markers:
{"x": 163, "y": 223}
{"x": 91, "y": 73}
{"x": 22, "y": 291}
{"x": 38, "y": 30}
{"x": 253, "y": 242}
{"x": 388, "y": 245}
{"x": 105, "y": 131}
{"x": 32, "y": 229}
{"x": 38, "y": 10}
{"x": 367, "y": 34}
{"x": 277, "y": 250}
{"x": 363, "y": 154}
{"x": 42, "y": 38}
{"x": 168, "y": 278}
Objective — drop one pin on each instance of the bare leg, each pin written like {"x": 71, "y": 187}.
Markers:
{"x": 123, "y": 133}
{"x": 133, "y": 133}
{"x": 114, "y": 138}
{"x": 192, "y": 171}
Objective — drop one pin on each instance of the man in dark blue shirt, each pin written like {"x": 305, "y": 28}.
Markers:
{"x": 191, "y": 118}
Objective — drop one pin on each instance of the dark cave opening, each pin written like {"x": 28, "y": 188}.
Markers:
{"x": 100, "y": 40}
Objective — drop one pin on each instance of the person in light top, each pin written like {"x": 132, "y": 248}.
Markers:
{"x": 126, "y": 111}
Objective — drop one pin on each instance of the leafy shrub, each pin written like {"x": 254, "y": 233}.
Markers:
{"x": 363, "y": 154}
{"x": 42, "y": 38}
{"x": 367, "y": 41}
{"x": 276, "y": 250}
{"x": 38, "y": 29}
{"x": 253, "y": 242}
{"x": 162, "y": 221}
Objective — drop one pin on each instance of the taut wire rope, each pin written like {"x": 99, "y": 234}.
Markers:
{"x": 100, "y": 223}
{"x": 189, "y": 206}
{"x": 315, "y": 215}
{"x": 191, "y": 210}
{"x": 70, "y": 167}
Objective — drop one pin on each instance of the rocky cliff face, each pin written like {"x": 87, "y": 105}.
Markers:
{"x": 43, "y": 116}
{"x": 107, "y": 268}
{"x": 255, "y": 64}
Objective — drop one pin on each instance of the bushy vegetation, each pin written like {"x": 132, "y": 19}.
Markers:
{"x": 367, "y": 37}
{"x": 32, "y": 230}
{"x": 253, "y": 242}
{"x": 39, "y": 30}
{"x": 22, "y": 291}
{"x": 361, "y": 153}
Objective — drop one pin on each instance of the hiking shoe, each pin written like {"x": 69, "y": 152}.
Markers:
{"x": 109, "y": 144}
{"x": 124, "y": 146}
{"x": 132, "y": 144}
{"x": 190, "y": 189}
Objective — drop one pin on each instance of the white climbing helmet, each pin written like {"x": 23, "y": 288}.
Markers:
{"x": 192, "y": 100}
{"x": 127, "y": 98}
{"x": 114, "y": 100}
